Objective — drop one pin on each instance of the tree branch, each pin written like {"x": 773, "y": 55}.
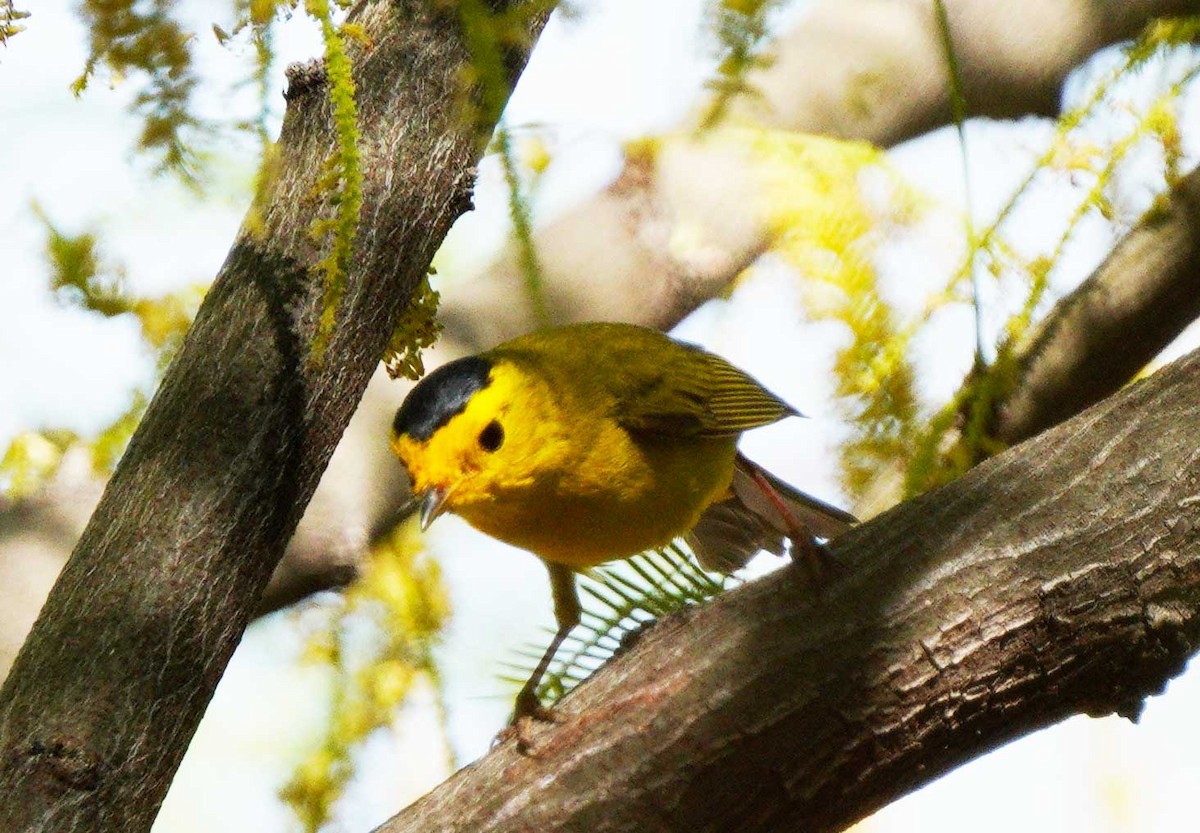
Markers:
{"x": 357, "y": 500}
{"x": 112, "y": 681}
{"x": 1095, "y": 339}
{"x": 1061, "y": 577}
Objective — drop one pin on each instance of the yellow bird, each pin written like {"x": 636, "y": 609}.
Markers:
{"x": 593, "y": 442}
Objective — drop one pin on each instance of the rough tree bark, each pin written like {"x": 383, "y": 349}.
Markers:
{"x": 112, "y": 681}
{"x": 1061, "y": 577}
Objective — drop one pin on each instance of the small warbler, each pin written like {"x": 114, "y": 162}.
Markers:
{"x": 593, "y": 442}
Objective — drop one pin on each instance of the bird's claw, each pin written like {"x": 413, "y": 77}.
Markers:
{"x": 814, "y": 558}
{"x": 528, "y": 710}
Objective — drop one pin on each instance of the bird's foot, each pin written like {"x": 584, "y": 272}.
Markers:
{"x": 814, "y": 559}
{"x": 528, "y": 711}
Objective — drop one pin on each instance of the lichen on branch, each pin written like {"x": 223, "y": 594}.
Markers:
{"x": 341, "y": 181}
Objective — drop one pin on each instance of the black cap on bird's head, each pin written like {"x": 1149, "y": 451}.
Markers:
{"x": 440, "y": 396}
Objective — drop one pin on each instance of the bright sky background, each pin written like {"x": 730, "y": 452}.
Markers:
{"x": 62, "y": 367}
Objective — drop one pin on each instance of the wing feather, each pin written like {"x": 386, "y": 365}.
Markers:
{"x": 699, "y": 394}
{"x": 648, "y": 382}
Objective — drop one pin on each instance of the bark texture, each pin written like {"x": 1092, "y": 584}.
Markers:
{"x": 1095, "y": 339}
{"x": 1061, "y": 577}
{"x": 108, "y": 689}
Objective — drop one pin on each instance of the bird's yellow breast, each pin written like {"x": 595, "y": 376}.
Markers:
{"x": 617, "y": 498}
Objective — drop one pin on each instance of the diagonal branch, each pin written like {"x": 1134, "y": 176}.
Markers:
{"x": 112, "y": 681}
{"x": 1095, "y": 339}
{"x": 1061, "y": 577}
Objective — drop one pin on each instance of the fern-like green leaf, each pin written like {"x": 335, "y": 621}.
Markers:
{"x": 619, "y": 601}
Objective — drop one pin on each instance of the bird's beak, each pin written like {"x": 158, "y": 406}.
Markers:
{"x": 433, "y": 502}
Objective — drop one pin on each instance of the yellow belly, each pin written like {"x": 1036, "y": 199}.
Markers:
{"x": 627, "y": 503}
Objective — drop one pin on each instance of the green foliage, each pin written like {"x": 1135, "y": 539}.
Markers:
{"x": 378, "y": 647}
{"x": 958, "y": 109}
{"x": 740, "y": 27}
{"x": 257, "y": 16}
{"x": 31, "y": 459}
{"x": 959, "y": 436}
{"x": 484, "y": 86}
{"x": 827, "y": 228}
{"x": 144, "y": 38}
{"x": 484, "y": 81}
{"x": 265, "y": 178}
{"x": 34, "y": 457}
{"x": 618, "y": 602}
{"x": 490, "y": 36}
{"x": 519, "y": 211}
{"x": 76, "y": 274}
{"x": 80, "y": 276}
{"x": 416, "y": 329}
{"x": 108, "y": 446}
{"x": 958, "y": 100}
{"x": 340, "y": 184}
{"x": 10, "y": 17}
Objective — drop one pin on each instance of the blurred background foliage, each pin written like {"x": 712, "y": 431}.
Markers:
{"x": 379, "y": 644}
{"x": 830, "y": 207}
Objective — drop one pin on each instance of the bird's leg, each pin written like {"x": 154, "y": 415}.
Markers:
{"x": 813, "y": 553}
{"x": 567, "y": 613}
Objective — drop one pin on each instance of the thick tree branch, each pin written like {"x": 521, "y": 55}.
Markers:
{"x": 357, "y": 501}
{"x": 1061, "y": 577}
{"x": 111, "y": 683}
{"x": 1095, "y": 339}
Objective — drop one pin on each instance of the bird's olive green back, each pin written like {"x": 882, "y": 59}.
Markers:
{"x": 647, "y": 382}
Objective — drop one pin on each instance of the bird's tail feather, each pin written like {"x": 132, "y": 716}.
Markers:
{"x": 761, "y": 513}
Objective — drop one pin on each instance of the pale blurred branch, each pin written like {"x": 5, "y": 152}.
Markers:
{"x": 852, "y": 69}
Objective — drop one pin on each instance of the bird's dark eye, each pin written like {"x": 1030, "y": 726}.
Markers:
{"x": 492, "y": 436}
